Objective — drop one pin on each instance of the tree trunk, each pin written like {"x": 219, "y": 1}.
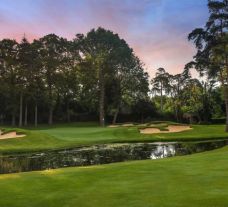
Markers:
{"x": 26, "y": 115}
{"x": 161, "y": 98}
{"x": 21, "y": 110}
{"x": 36, "y": 116}
{"x": 199, "y": 118}
{"x": 13, "y": 119}
{"x": 191, "y": 119}
{"x": 101, "y": 98}
{"x": 115, "y": 115}
{"x": 50, "y": 118}
{"x": 176, "y": 112}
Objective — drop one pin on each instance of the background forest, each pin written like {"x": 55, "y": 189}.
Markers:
{"x": 99, "y": 75}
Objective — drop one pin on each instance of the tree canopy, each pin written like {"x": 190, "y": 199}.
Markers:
{"x": 95, "y": 73}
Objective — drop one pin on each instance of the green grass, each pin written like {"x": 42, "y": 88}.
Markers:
{"x": 198, "y": 180}
{"x": 77, "y": 134}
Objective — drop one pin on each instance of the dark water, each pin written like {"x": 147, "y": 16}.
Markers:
{"x": 101, "y": 154}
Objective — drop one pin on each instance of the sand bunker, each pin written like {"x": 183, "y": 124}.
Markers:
{"x": 127, "y": 125}
{"x": 122, "y": 125}
{"x": 113, "y": 126}
{"x": 171, "y": 129}
{"x": 10, "y": 135}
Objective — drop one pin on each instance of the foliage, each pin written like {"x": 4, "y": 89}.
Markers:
{"x": 212, "y": 46}
{"x": 53, "y": 78}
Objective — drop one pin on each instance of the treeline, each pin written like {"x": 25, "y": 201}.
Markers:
{"x": 183, "y": 98}
{"x": 53, "y": 78}
{"x": 211, "y": 42}
{"x": 98, "y": 74}
{"x": 192, "y": 98}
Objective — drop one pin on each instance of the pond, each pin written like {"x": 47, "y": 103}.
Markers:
{"x": 102, "y": 154}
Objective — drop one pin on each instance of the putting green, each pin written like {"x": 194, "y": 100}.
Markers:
{"x": 62, "y": 136}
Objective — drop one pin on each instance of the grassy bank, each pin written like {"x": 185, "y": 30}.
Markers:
{"x": 198, "y": 180}
{"x": 71, "y": 135}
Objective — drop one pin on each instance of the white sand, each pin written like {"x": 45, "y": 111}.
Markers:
{"x": 10, "y": 135}
{"x": 172, "y": 129}
{"x": 113, "y": 126}
{"x": 127, "y": 125}
{"x": 122, "y": 125}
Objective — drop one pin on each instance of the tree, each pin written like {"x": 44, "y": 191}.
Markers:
{"x": 193, "y": 93}
{"x": 52, "y": 50}
{"x": 25, "y": 63}
{"x": 68, "y": 78}
{"x": 176, "y": 85}
{"x": 130, "y": 84}
{"x": 143, "y": 108}
{"x": 34, "y": 86}
{"x": 160, "y": 84}
{"x": 199, "y": 100}
{"x": 108, "y": 56}
{"x": 10, "y": 74}
{"x": 212, "y": 46}
{"x": 94, "y": 73}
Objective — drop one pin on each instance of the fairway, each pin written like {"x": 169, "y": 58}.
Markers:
{"x": 79, "y": 134}
{"x": 198, "y": 180}
{"x": 97, "y": 134}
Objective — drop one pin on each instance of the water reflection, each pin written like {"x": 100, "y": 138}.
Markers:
{"x": 101, "y": 154}
{"x": 163, "y": 151}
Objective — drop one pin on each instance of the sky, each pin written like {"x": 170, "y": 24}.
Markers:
{"x": 157, "y": 30}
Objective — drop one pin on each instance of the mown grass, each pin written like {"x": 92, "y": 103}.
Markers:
{"x": 78, "y": 134}
{"x": 198, "y": 180}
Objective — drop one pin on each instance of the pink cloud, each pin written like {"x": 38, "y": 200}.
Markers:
{"x": 157, "y": 44}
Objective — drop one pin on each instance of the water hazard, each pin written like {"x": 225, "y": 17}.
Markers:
{"x": 101, "y": 154}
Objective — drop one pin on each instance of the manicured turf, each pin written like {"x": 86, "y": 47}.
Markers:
{"x": 198, "y": 180}
{"x": 61, "y": 136}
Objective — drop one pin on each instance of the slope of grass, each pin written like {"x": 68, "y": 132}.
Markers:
{"x": 198, "y": 180}
{"x": 61, "y": 136}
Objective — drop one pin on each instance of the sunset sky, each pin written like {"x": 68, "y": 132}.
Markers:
{"x": 156, "y": 29}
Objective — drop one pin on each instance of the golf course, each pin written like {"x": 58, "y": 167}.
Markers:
{"x": 83, "y": 134}
{"x": 114, "y": 103}
{"x": 193, "y": 180}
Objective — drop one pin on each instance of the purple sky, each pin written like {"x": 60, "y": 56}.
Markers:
{"x": 156, "y": 29}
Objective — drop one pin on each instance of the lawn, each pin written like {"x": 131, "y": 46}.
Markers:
{"x": 77, "y": 134}
{"x": 198, "y": 180}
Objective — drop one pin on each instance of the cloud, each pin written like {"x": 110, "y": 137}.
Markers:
{"x": 155, "y": 29}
